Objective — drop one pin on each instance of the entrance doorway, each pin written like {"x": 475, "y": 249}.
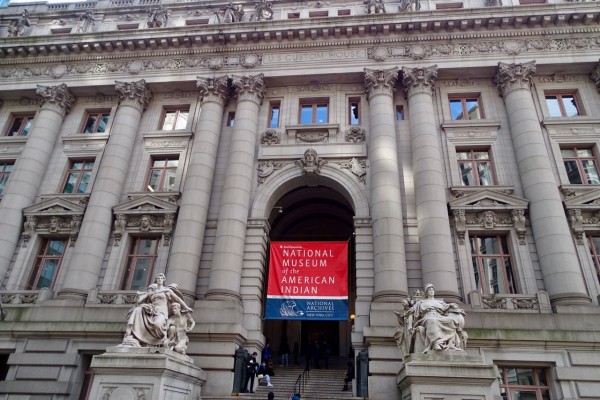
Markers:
{"x": 314, "y": 214}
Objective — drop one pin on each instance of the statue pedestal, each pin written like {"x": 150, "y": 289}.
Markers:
{"x": 451, "y": 377}
{"x": 149, "y": 373}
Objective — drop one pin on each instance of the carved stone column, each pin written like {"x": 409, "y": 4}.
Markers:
{"x": 554, "y": 242}
{"x": 30, "y": 168}
{"x": 226, "y": 272}
{"x": 193, "y": 210}
{"x": 389, "y": 263}
{"x": 435, "y": 239}
{"x": 84, "y": 266}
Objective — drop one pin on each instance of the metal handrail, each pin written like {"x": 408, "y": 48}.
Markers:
{"x": 300, "y": 383}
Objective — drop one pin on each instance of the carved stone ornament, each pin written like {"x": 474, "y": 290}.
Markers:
{"x": 58, "y": 98}
{"x": 250, "y": 88}
{"x": 493, "y": 3}
{"x": 230, "y": 13}
{"x": 311, "y": 163}
{"x": 514, "y": 76}
{"x": 263, "y": 11}
{"x": 145, "y": 214}
{"x": 374, "y": 6}
{"x": 380, "y": 81}
{"x": 57, "y": 216}
{"x": 419, "y": 80}
{"x": 213, "y": 89}
{"x": 18, "y": 28}
{"x": 358, "y": 168}
{"x": 266, "y": 168}
{"x": 595, "y": 75}
{"x": 134, "y": 93}
{"x": 270, "y": 136}
{"x": 355, "y": 135}
{"x": 250, "y": 60}
{"x": 409, "y": 5}
{"x": 157, "y": 17}
{"x": 86, "y": 21}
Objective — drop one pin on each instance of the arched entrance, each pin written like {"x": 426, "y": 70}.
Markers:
{"x": 314, "y": 214}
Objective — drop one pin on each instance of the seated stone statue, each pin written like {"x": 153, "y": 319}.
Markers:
{"x": 430, "y": 325}
{"x": 147, "y": 322}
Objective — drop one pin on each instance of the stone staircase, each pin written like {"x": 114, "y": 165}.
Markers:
{"x": 321, "y": 384}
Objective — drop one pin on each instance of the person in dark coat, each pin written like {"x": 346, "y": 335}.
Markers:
{"x": 296, "y": 352}
{"x": 251, "y": 365}
{"x": 349, "y": 376}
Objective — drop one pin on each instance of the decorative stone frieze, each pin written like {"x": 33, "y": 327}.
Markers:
{"x": 270, "y": 136}
{"x": 115, "y": 297}
{"x": 312, "y": 133}
{"x": 55, "y": 216}
{"x": 357, "y": 167}
{"x": 250, "y": 88}
{"x": 58, "y": 98}
{"x": 380, "y": 81}
{"x": 487, "y": 209}
{"x": 135, "y": 93}
{"x": 559, "y": 77}
{"x": 145, "y": 214}
{"x": 355, "y": 134}
{"x": 419, "y": 80}
{"x": 250, "y": 60}
{"x": 213, "y": 89}
{"x": 266, "y": 168}
{"x": 514, "y": 76}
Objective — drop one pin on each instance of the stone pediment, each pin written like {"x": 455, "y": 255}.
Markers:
{"x": 145, "y": 205}
{"x": 587, "y": 201}
{"x": 486, "y": 199}
{"x": 55, "y": 206}
{"x": 145, "y": 214}
{"x": 54, "y": 216}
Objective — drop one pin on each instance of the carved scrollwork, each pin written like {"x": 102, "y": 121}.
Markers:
{"x": 514, "y": 76}
{"x": 357, "y": 167}
{"x": 270, "y": 136}
{"x": 355, "y": 134}
{"x": 249, "y": 87}
{"x": 58, "y": 98}
{"x": 213, "y": 89}
{"x": 266, "y": 168}
{"x": 134, "y": 93}
{"x": 380, "y": 81}
{"x": 419, "y": 80}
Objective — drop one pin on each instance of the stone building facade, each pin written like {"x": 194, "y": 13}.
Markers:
{"x": 453, "y": 143}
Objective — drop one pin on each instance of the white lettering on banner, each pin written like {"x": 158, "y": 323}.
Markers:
{"x": 333, "y": 55}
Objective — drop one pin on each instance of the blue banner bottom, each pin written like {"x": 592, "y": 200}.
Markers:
{"x": 308, "y": 309}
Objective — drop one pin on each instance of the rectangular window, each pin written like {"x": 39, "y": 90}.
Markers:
{"x": 294, "y": 15}
{"x": 354, "y": 111}
{"x": 96, "y": 122}
{"x": 78, "y": 176}
{"x": 230, "y": 118}
{"x": 448, "y": 6}
{"x": 47, "y": 263}
{"x": 344, "y": 12}
{"x": 274, "y": 112}
{"x": 6, "y": 168}
{"x": 563, "y": 105}
{"x": 20, "y": 125}
{"x": 492, "y": 264}
{"x": 313, "y": 14}
{"x": 140, "y": 263}
{"x": 581, "y": 166}
{"x": 314, "y": 111}
{"x": 162, "y": 174}
{"x": 475, "y": 167}
{"x": 594, "y": 241}
{"x": 399, "y": 113}
{"x": 465, "y": 107}
{"x": 175, "y": 119}
{"x": 524, "y": 383}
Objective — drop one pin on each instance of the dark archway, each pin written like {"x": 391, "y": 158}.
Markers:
{"x": 314, "y": 214}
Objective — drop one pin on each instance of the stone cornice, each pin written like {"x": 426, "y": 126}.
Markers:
{"x": 361, "y": 27}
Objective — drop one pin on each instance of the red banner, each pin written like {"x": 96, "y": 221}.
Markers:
{"x": 308, "y": 280}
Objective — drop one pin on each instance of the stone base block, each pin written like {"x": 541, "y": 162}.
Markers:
{"x": 124, "y": 373}
{"x": 428, "y": 377}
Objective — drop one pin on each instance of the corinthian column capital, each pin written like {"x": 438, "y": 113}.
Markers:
{"x": 135, "y": 94}
{"x": 419, "y": 80}
{"x": 380, "y": 81}
{"x": 595, "y": 75}
{"x": 58, "y": 98}
{"x": 514, "y": 76}
{"x": 249, "y": 87}
{"x": 213, "y": 89}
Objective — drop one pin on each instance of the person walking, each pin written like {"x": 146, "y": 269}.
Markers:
{"x": 251, "y": 365}
{"x": 349, "y": 376}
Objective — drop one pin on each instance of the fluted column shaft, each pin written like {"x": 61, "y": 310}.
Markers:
{"x": 30, "y": 168}
{"x": 226, "y": 272}
{"x": 187, "y": 243}
{"x": 84, "y": 267}
{"x": 554, "y": 242}
{"x": 435, "y": 238}
{"x": 389, "y": 263}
